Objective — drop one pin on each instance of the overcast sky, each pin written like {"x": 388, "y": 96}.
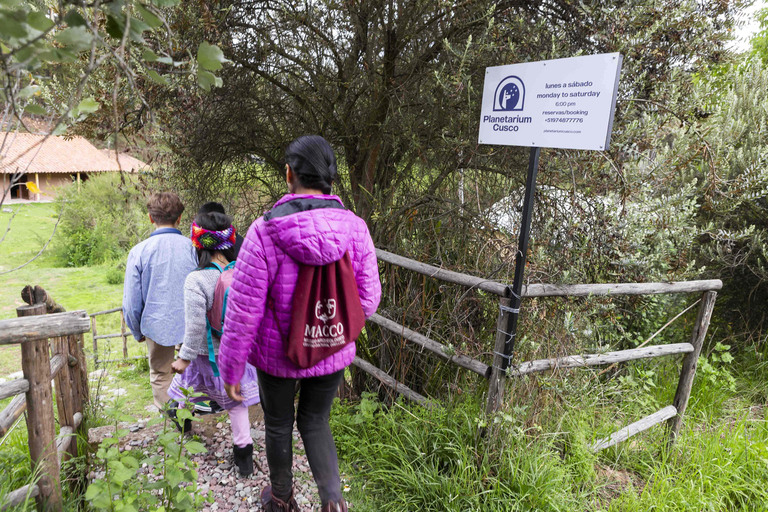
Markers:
{"x": 750, "y": 26}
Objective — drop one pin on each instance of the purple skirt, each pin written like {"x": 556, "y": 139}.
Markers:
{"x": 199, "y": 376}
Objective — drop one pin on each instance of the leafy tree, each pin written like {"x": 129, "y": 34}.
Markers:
{"x": 68, "y": 62}
{"x": 395, "y": 86}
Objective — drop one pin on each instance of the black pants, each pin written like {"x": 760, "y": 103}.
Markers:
{"x": 315, "y": 400}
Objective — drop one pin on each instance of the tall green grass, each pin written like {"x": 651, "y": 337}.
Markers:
{"x": 405, "y": 458}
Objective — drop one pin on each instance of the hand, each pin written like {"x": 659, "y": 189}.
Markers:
{"x": 179, "y": 365}
{"x": 233, "y": 390}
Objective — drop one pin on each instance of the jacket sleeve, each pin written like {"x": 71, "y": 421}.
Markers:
{"x": 195, "y": 326}
{"x": 133, "y": 296}
{"x": 367, "y": 274}
{"x": 246, "y": 304}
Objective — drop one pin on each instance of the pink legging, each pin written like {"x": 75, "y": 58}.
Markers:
{"x": 241, "y": 426}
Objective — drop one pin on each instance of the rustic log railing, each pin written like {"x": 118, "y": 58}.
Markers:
{"x": 673, "y": 414}
{"x": 124, "y": 334}
{"x": 61, "y": 335}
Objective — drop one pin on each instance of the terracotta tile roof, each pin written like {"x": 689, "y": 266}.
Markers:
{"x": 128, "y": 163}
{"x": 24, "y": 152}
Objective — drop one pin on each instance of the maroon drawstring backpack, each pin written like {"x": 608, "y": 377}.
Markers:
{"x": 326, "y": 314}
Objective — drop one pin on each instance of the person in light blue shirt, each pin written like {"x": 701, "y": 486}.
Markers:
{"x": 153, "y": 294}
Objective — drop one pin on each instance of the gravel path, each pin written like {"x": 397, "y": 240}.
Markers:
{"x": 216, "y": 471}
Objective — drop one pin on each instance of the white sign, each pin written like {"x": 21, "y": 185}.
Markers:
{"x": 563, "y": 103}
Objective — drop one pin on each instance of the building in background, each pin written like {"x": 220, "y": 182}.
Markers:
{"x": 54, "y": 162}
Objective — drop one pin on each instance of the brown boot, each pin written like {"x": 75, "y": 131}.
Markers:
{"x": 271, "y": 504}
{"x": 332, "y": 506}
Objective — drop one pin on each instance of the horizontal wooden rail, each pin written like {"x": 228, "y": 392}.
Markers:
{"x": 113, "y": 310}
{"x": 13, "y": 388}
{"x": 385, "y": 379}
{"x": 11, "y": 413}
{"x": 441, "y": 274}
{"x": 583, "y": 290}
{"x": 15, "y": 498}
{"x": 438, "y": 349}
{"x": 18, "y": 405}
{"x": 29, "y": 328}
{"x": 620, "y": 356}
{"x": 635, "y": 428}
{"x": 107, "y": 336}
{"x": 57, "y": 363}
{"x": 66, "y": 435}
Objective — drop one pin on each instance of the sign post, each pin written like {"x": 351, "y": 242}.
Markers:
{"x": 563, "y": 103}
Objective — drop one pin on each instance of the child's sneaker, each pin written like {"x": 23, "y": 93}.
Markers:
{"x": 203, "y": 407}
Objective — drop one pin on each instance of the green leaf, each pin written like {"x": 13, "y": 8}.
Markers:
{"x": 114, "y": 27}
{"x": 210, "y": 57}
{"x": 149, "y": 56}
{"x": 115, "y": 464}
{"x": 195, "y": 447}
{"x": 183, "y": 414}
{"x": 207, "y": 80}
{"x": 75, "y": 38}
{"x": 165, "y": 3}
{"x": 109, "y": 441}
{"x": 34, "y": 108}
{"x": 152, "y": 20}
{"x": 39, "y": 21}
{"x": 173, "y": 477}
{"x": 121, "y": 475}
{"x": 156, "y": 77}
{"x": 93, "y": 490}
{"x": 130, "y": 462}
{"x": 61, "y": 129}
{"x": 102, "y": 500}
{"x": 28, "y": 91}
{"x": 11, "y": 27}
{"x": 89, "y": 106}
{"x": 74, "y": 19}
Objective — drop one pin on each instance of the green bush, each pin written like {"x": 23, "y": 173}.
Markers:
{"x": 101, "y": 222}
{"x": 115, "y": 276}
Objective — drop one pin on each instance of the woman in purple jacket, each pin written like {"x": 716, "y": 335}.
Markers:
{"x": 311, "y": 227}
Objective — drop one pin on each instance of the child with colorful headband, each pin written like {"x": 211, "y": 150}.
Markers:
{"x": 213, "y": 236}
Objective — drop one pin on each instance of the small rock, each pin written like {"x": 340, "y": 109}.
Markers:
{"x": 133, "y": 428}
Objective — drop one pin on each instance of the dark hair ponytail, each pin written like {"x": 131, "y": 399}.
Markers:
{"x": 213, "y": 221}
{"x": 313, "y": 162}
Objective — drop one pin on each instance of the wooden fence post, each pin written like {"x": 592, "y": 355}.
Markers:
{"x": 498, "y": 376}
{"x": 80, "y": 373}
{"x": 125, "y": 336}
{"x": 690, "y": 362}
{"x": 66, "y": 386}
{"x": 41, "y": 427}
{"x": 95, "y": 343}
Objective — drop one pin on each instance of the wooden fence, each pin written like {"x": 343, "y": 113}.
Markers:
{"x": 673, "y": 414}
{"x": 51, "y": 349}
{"x": 124, "y": 334}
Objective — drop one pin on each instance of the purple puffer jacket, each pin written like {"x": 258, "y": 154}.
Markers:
{"x": 259, "y": 302}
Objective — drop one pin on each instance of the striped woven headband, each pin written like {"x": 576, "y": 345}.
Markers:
{"x": 212, "y": 240}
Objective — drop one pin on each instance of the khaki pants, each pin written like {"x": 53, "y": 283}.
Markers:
{"x": 160, "y": 374}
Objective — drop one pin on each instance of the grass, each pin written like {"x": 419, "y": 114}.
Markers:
{"x": 408, "y": 458}
{"x": 74, "y": 288}
{"x": 404, "y": 457}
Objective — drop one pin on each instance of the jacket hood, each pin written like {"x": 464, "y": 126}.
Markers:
{"x": 311, "y": 229}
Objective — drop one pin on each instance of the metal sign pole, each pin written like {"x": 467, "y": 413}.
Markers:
{"x": 522, "y": 251}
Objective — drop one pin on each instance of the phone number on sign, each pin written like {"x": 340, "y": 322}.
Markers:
{"x": 564, "y": 120}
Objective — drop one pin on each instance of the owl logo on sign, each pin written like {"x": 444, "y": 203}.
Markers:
{"x": 510, "y": 95}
